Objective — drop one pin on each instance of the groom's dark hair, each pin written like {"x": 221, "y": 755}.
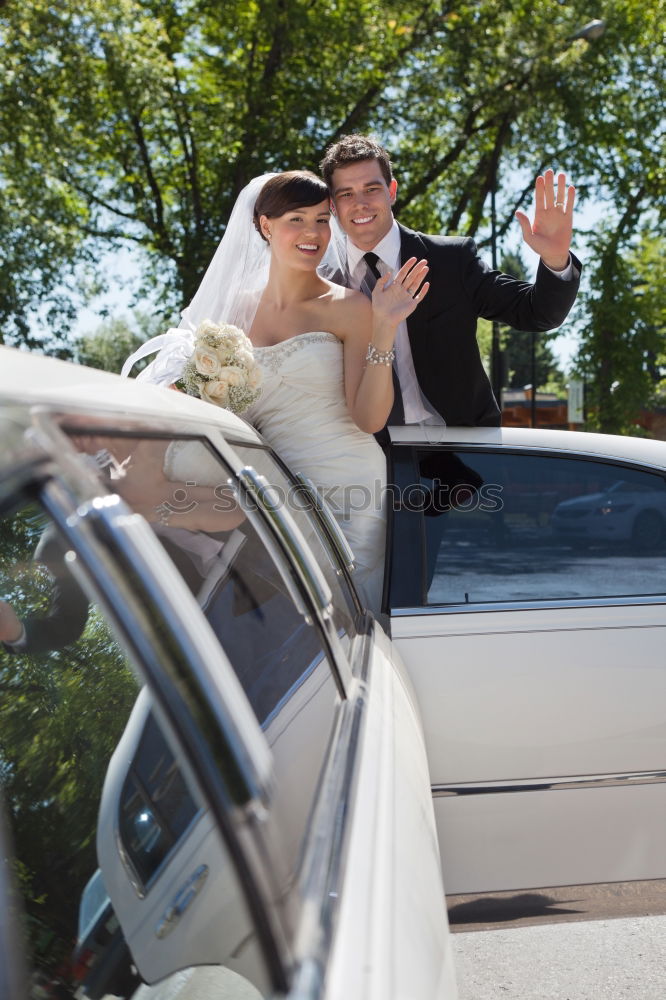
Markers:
{"x": 352, "y": 149}
{"x": 287, "y": 191}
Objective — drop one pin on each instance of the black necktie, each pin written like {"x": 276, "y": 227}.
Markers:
{"x": 371, "y": 259}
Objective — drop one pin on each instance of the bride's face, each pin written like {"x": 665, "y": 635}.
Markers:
{"x": 300, "y": 237}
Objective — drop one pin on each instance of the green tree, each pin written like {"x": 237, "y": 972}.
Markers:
{"x": 109, "y": 345}
{"x": 521, "y": 368}
{"x": 622, "y": 356}
{"x": 137, "y": 121}
{"x": 61, "y": 715}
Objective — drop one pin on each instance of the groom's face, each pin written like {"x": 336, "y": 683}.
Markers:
{"x": 362, "y": 201}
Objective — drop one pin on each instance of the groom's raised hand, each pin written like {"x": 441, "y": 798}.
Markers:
{"x": 550, "y": 233}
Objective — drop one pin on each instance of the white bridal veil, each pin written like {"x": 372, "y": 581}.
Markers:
{"x": 229, "y": 291}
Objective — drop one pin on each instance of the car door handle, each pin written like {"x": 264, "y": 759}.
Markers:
{"x": 181, "y": 901}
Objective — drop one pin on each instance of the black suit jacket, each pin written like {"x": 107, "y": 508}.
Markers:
{"x": 442, "y": 330}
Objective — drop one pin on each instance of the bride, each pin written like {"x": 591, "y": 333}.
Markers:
{"x": 326, "y": 351}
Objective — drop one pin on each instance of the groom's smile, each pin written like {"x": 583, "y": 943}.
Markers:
{"x": 363, "y": 202}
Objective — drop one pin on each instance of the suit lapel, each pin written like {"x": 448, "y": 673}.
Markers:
{"x": 411, "y": 245}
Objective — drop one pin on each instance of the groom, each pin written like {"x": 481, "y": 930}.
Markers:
{"x": 438, "y": 365}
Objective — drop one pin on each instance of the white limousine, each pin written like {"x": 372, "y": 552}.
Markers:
{"x": 268, "y": 782}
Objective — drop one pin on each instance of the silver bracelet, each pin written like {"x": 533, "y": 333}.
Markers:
{"x": 164, "y": 512}
{"x": 375, "y": 357}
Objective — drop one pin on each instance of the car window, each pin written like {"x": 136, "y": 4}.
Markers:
{"x": 300, "y": 508}
{"x": 156, "y": 806}
{"x": 181, "y": 487}
{"x": 68, "y": 695}
{"x": 484, "y": 527}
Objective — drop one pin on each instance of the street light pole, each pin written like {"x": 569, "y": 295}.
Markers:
{"x": 534, "y": 378}
{"x": 495, "y": 353}
{"x": 590, "y": 31}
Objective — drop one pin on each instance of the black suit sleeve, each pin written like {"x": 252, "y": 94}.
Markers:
{"x": 537, "y": 307}
{"x": 66, "y": 617}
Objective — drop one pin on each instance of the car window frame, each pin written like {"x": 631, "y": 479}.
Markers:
{"x": 466, "y": 447}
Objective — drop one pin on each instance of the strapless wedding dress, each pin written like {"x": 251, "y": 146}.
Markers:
{"x": 302, "y": 413}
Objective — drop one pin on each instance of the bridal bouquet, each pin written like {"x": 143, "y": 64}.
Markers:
{"x": 222, "y": 369}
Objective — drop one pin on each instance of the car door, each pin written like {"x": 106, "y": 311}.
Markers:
{"x": 265, "y": 809}
{"x": 527, "y": 593}
{"x": 79, "y": 571}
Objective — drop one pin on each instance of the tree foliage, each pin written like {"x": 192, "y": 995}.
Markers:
{"x": 623, "y": 348}
{"x": 111, "y": 343}
{"x": 528, "y": 358}
{"x": 137, "y": 121}
{"x": 61, "y": 715}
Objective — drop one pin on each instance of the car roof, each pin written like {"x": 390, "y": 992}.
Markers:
{"x": 27, "y": 377}
{"x": 621, "y": 447}
{"x": 30, "y": 378}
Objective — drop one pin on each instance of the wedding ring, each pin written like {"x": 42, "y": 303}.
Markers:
{"x": 559, "y": 204}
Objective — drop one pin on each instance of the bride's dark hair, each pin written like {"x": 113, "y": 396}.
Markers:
{"x": 287, "y": 191}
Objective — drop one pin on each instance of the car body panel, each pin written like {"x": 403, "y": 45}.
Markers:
{"x": 544, "y": 720}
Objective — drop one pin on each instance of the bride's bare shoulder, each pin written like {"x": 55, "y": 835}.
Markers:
{"x": 348, "y": 310}
{"x": 341, "y": 298}
{"x": 338, "y": 293}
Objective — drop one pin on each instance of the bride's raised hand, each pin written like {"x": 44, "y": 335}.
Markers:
{"x": 394, "y": 299}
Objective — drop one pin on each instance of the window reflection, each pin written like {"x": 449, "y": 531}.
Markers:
{"x": 155, "y": 805}
{"x": 527, "y": 527}
{"x": 66, "y": 695}
{"x": 278, "y": 656}
{"x": 67, "y": 701}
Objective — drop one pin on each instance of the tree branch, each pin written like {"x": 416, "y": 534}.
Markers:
{"x": 358, "y": 114}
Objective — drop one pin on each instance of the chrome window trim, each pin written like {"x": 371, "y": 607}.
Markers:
{"x": 340, "y": 544}
{"x": 322, "y": 864}
{"x": 283, "y": 538}
{"x": 640, "y": 600}
{"x": 319, "y": 522}
{"x": 550, "y": 784}
{"x": 261, "y": 492}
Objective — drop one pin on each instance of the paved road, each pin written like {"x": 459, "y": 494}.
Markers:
{"x": 592, "y": 960}
{"x": 601, "y": 942}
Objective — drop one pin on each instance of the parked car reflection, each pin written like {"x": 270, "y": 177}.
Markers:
{"x": 625, "y": 512}
{"x": 101, "y": 961}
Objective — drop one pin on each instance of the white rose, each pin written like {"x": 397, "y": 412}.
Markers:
{"x": 206, "y": 361}
{"x": 216, "y": 391}
{"x": 226, "y": 353}
{"x": 234, "y": 375}
{"x": 233, "y": 335}
{"x": 207, "y": 329}
{"x": 244, "y": 357}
